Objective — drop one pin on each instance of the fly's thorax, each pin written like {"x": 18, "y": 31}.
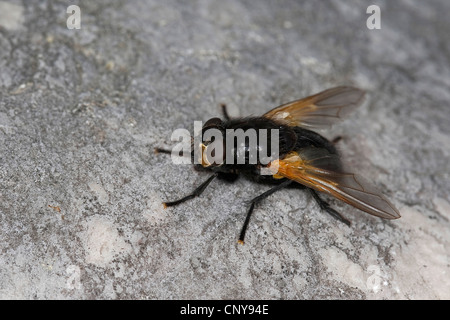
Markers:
{"x": 249, "y": 141}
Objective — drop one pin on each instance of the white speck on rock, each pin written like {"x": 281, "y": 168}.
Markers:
{"x": 155, "y": 213}
{"x": 11, "y": 15}
{"x": 102, "y": 242}
{"x": 102, "y": 195}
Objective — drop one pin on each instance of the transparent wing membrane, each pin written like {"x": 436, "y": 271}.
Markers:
{"x": 311, "y": 167}
{"x": 320, "y": 110}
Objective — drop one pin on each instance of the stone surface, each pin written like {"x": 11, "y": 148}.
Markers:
{"x": 81, "y": 111}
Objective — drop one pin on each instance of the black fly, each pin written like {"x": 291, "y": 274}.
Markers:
{"x": 305, "y": 158}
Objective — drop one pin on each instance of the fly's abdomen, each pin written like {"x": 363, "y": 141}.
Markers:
{"x": 307, "y": 138}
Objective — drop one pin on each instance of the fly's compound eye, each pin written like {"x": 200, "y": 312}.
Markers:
{"x": 212, "y": 123}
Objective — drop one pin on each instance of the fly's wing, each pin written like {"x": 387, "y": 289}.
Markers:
{"x": 320, "y": 110}
{"x": 314, "y": 168}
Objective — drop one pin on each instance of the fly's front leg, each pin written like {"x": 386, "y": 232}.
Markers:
{"x": 198, "y": 191}
{"x": 160, "y": 150}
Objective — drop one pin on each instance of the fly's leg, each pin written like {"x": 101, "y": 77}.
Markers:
{"x": 336, "y": 139}
{"x": 325, "y": 206}
{"x": 160, "y": 150}
{"x": 256, "y": 200}
{"x": 198, "y": 191}
{"x": 224, "y": 111}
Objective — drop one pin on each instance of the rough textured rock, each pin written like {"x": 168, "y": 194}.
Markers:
{"x": 81, "y": 111}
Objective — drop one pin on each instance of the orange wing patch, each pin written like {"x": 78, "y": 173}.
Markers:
{"x": 307, "y": 167}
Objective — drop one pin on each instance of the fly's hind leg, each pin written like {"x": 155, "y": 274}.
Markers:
{"x": 325, "y": 206}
